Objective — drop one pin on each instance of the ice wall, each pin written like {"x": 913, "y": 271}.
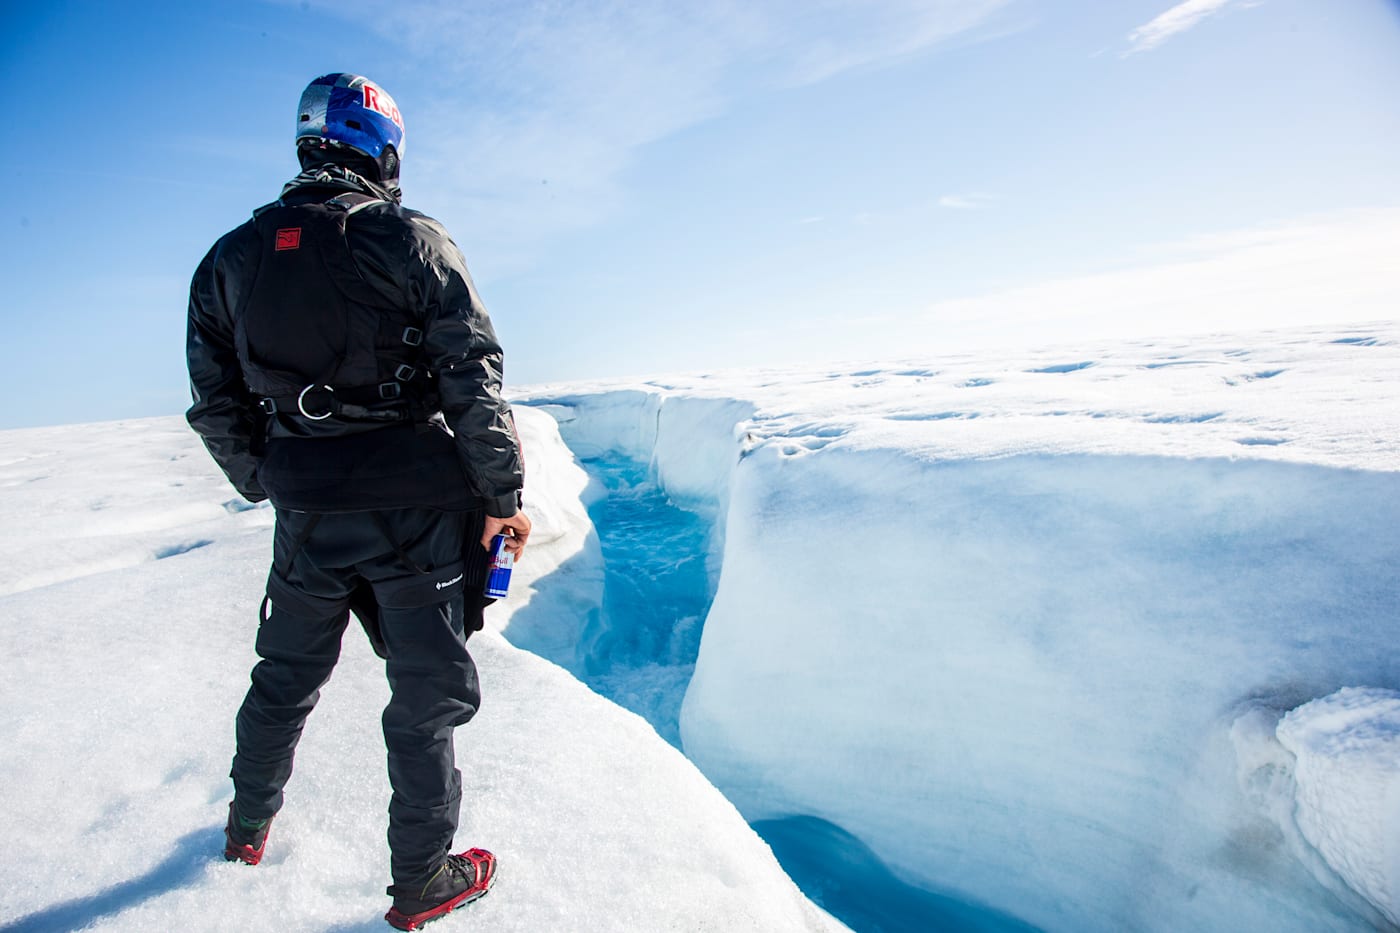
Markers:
{"x": 690, "y": 444}
{"x": 1015, "y": 678}
{"x": 1006, "y": 676}
{"x": 1346, "y": 750}
{"x": 548, "y": 619}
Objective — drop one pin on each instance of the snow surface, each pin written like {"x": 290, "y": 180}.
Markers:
{"x": 131, "y": 577}
{"x": 1023, "y": 625}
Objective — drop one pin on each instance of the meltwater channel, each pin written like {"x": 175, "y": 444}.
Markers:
{"x": 641, "y": 655}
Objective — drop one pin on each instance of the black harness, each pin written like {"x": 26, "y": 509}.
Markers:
{"x": 316, "y": 340}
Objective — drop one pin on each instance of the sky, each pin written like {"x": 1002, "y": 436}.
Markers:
{"x": 651, "y": 187}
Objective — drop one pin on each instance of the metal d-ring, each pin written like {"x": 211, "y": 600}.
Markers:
{"x": 301, "y": 402}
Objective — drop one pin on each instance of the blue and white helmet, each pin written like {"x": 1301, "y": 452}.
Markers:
{"x": 350, "y": 110}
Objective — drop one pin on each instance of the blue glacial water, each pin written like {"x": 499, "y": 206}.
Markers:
{"x": 839, "y": 872}
{"x": 656, "y": 594}
{"x": 641, "y": 655}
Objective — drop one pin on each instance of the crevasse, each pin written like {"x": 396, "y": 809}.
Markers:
{"x": 1008, "y": 681}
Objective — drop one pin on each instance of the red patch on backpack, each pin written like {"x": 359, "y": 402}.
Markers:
{"x": 288, "y": 238}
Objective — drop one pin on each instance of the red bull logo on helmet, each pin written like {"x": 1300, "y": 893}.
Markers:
{"x": 380, "y": 102}
{"x": 352, "y": 111}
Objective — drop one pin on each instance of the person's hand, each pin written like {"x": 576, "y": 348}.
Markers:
{"x": 516, "y": 529}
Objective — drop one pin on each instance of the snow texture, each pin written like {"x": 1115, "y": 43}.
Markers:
{"x": 1347, "y": 773}
{"x": 1023, "y": 625}
{"x": 132, "y": 577}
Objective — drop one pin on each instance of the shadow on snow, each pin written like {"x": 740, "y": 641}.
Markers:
{"x": 188, "y": 858}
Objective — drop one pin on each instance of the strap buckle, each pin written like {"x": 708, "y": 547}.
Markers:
{"x": 405, "y": 372}
{"x": 412, "y": 336}
{"x": 268, "y": 406}
{"x": 301, "y": 402}
{"x": 389, "y": 391}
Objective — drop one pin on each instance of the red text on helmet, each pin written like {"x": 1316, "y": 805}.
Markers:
{"x": 378, "y": 101}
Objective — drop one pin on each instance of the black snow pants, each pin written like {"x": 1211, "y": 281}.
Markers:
{"x": 413, "y": 560}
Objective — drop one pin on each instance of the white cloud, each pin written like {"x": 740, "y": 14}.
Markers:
{"x": 540, "y": 104}
{"x": 1329, "y": 269}
{"x": 1177, "y": 20}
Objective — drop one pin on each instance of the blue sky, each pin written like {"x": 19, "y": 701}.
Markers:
{"x": 651, "y": 187}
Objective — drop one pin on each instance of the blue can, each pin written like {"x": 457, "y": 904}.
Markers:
{"x": 498, "y": 575}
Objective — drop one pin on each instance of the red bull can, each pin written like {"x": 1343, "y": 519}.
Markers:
{"x": 498, "y": 574}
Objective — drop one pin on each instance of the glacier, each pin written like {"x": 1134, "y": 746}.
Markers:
{"x": 1035, "y": 628}
{"x": 1083, "y": 638}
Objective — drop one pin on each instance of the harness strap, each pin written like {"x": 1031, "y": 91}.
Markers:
{"x": 318, "y": 402}
{"x": 298, "y": 543}
{"x": 349, "y": 402}
{"x": 383, "y": 524}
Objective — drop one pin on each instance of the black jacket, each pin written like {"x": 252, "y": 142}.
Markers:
{"x": 345, "y": 465}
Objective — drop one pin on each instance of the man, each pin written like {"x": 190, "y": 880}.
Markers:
{"x": 334, "y": 339}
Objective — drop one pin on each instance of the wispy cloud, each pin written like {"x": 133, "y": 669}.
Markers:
{"x": 965, "y": 202}
{"x": 821, "y": 38}
{"x": 540, "y": 104}
{"x": 1177, "y": 20}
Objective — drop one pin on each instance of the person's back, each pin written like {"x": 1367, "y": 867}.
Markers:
{"x": 334, "y": 338}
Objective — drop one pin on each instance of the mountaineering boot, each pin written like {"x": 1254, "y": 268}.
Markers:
{"x": 462, "y": 879}
{"x": 246, "y": 839}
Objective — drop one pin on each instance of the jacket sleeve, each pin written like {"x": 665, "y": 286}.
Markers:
{"x": 466, "y": 358}
{"x": 222, "y": 414}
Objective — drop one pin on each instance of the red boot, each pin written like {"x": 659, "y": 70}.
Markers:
{"x": 461, "y": 879}
{"x": 245, "y": 840}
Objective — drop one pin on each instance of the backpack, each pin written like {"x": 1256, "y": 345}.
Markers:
{"x": 314, "y": 337}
